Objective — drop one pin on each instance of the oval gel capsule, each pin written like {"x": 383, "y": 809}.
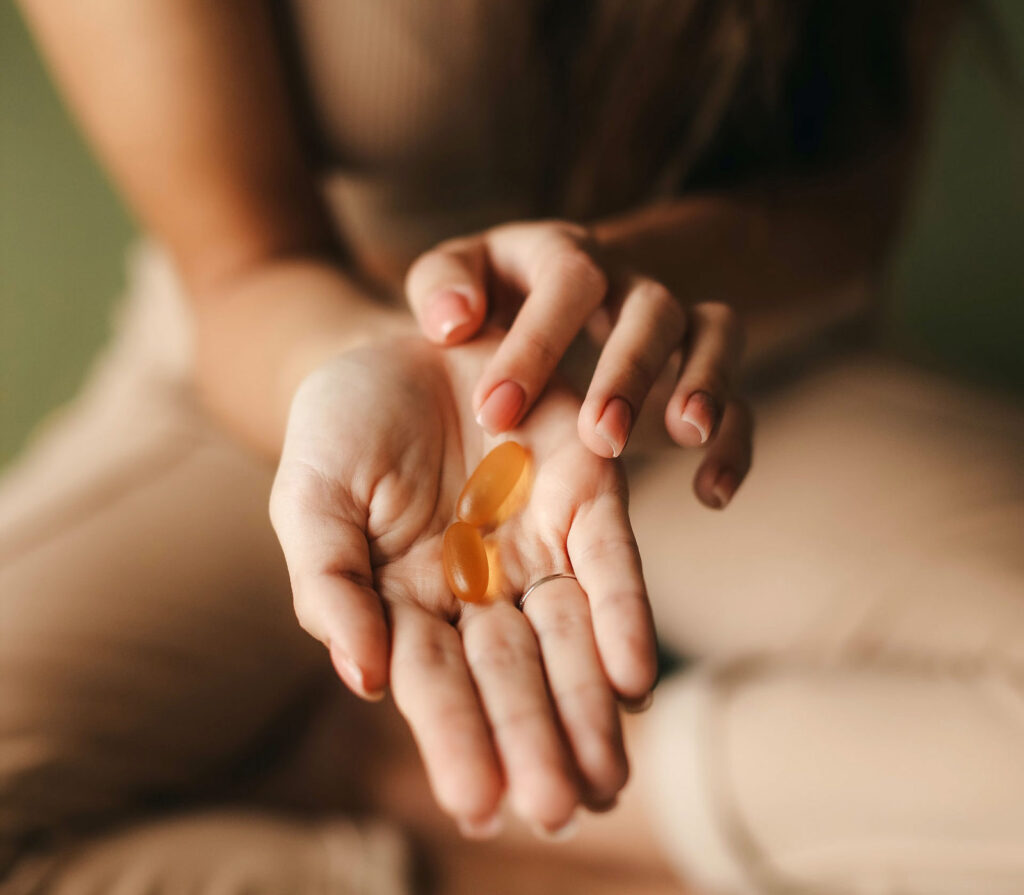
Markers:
{"x": 491, "y": 483}
{"x": 465, "y": 562}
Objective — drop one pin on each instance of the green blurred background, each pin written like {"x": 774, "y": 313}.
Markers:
{"x": 957, "y": 284}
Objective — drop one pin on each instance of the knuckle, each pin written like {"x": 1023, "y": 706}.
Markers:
{"x": 434, "y": 652}
{"x": 528, "y": 717}
{"x": 501, "y": 655}
{"x": 560, "y": 624}
{"x": 638, "y": 373}
{"x": 589, "y": 700}
{"x": 666, "y": 308}
{"x": 577, "y": 267}
{"x": 605, "y": 546}
{"x": 541, "y": 351}
{"x": 460, "y": 720}
{"x": 621, "y": 600}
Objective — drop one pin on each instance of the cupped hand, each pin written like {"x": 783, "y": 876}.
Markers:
{"x": 379, "y": 444}
{"x": 548, "y": 280}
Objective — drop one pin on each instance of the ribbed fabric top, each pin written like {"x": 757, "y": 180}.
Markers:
{"x": 443, "y": 117}
{"x": 432, "y": 112}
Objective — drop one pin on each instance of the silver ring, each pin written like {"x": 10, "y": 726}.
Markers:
{"x": 538, "y": 583}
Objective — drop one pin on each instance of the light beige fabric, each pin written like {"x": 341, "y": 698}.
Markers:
{"x": 859, "y": 726}
{"x": 150, "y": 661}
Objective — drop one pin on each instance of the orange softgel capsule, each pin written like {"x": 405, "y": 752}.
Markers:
{"x": 491, "y": 483}
{"x": 465, "y": 562}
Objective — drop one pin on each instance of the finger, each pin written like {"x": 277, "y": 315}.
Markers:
{"x": 447, "y": 290}
{"x": 560, "y": 616}
{"x": 324, "y": 543}
{"x": 728, "y": 457}
{"x": 606, "y": 561}
{"x": 565, "y": 287}
{"x": 434, "y": 692}
{"x": 647, "y": 332}
{"x": 505, "y": 663}
{"x": 714, "y": 346}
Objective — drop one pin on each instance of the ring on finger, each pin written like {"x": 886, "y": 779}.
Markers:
{"x": 521, "y": 603}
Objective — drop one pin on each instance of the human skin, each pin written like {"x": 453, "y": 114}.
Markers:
{"x": 185, "y": 103}
{"x": 379, "y": 445}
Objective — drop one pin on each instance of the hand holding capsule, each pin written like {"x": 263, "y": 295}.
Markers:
{"x": 380, "y": 442}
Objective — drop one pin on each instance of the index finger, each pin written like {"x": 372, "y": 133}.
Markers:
{"x": 565, "y": 287}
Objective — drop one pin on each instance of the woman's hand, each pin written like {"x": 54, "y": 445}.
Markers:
{"x": 548, "y": 280}
{"x": 380, "y": 442}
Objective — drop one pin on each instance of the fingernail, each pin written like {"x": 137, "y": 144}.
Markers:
{"x": 613, "y": 424}
{"x": 446, "y": 312}
{"x": 636, "y": 706}
{"x": 501, "y": 409}
{"x": 352, "y": 674}
{"x": 565, "y": 832}
{"x": 481, "y": 829}
{"x": 725, "y": 487}
{"x": 700, "y": 412}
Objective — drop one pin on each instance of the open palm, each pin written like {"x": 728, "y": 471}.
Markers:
{"x": 380, "y": 442}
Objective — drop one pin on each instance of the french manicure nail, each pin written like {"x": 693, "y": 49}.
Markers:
{"x": 501, "y": 409}
{"x": 446, "y": 312}
{"x": 481, "y": 829}
{"x": 613, "y": 424}
{"x": 725, "y": 487}
{"x": 700, "y": 412}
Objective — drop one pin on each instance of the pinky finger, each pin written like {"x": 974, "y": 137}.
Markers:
{"x": 728, "y": 457}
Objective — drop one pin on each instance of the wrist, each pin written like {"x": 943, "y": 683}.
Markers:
{"x": 261, "y": 333}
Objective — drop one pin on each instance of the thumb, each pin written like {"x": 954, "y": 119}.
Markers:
{"x": 447, "y": 290}
{"x": 328, "y": 559}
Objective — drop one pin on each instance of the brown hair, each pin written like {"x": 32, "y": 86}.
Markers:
{"x": 661, "y": 94}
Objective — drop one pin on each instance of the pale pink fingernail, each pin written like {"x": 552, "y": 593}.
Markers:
{"x": 501, "y": 409}
{"x": 725, "y": 487}
{"x": 481, "y": 829}
{"x": 700, "y": 412}
{"x": 446, "y": 312}
{"x": 352, "y": 674}
{"x": 613, "y": 424}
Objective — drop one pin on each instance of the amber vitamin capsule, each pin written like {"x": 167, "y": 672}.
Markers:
{"x": 465, "y": 562}
{"x": 491, "y": 482}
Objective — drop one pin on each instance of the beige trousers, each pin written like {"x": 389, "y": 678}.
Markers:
{"x": 856, "y": 724}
